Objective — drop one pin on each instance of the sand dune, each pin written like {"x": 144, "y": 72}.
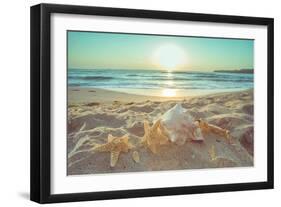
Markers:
{"x": 92, "y": 117}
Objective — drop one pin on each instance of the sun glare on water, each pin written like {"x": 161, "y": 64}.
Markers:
{"x": 169, "y": 56}
{"x": 169, "y": 92}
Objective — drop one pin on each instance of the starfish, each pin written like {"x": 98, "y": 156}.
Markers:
{"x": 115, "y": 145}
{"x": 154, "y": 136}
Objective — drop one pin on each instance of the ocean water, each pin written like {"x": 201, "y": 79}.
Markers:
{"x": 158, "y": 80}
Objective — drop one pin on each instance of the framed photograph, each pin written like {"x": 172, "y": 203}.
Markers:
{"x": 133, "y": 103}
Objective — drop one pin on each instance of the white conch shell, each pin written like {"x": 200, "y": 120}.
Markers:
{"x": 180, "y": 125}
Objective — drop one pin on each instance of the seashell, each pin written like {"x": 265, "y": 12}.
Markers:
{"x": 220, "y": 161}
{"x": 179, "y": 125}
{"x": 136, "y": 156}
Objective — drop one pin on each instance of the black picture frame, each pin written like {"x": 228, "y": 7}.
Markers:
{"x": 41, "y": 102}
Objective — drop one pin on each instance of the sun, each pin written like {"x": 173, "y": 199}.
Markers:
{"x": 169, "y": 56}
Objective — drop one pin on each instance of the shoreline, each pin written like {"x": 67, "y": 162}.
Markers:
{"x": 77, "y": 95}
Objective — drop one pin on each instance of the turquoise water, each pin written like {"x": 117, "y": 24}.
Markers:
{"x": 156, "y": 79}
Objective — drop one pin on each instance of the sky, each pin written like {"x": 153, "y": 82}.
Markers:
{"x": 100, "y": 50}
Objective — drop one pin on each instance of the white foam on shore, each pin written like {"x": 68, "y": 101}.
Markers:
{"x": 173, "y": 92}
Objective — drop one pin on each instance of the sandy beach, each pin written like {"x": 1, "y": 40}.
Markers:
{"x": 93, "y": 114}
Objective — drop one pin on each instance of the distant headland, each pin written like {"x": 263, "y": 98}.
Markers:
{"x": 249, "y": 71}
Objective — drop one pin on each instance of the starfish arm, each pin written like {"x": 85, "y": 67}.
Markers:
{"x": 146, "y": 127}
{"x": 163, "y": 139}
{"x": 143, "y": 141}
{"x": 103, "y": 147}
{"x": 203, "y": 125}
{"x": 162, "y": 128}
{"x": 126, "y": 136}
{"x": 110, "y": 138}
{"x": 131, "y": 146}
{"x": 156, "y": 125}
{"x": 152, "y": 147}
{"x": 114, "y": 155}
{"x": 125, "y": 139}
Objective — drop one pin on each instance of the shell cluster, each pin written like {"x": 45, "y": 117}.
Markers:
{"x": 176, "y": 126}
